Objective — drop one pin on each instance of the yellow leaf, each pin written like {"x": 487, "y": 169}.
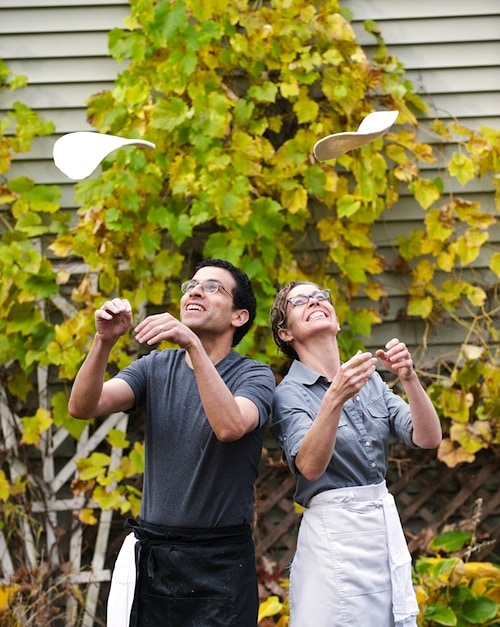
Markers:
{"x": 469, "y": 245}
{"x": 472, "y": 437}
{"x": 476, "y": 295}
{"x": 117, "y": 438}
{"x": 305, "y": 109}
{"x": 34, "y": 426}
{"x": 482, "y": 569}
{"x": 4, "y": 487}
{"x": 270, "y": 607}
{"x": 7, "y": 591}
{"x": 421, "y": 594}
{"x": 420, "y": 306}
{"x": 439, "y": 226}
{"x": 86, "y": 516}
{"x": 495, "y": 263}
{"x": 445, "y": 261}
{"x": 461, "y": 167}
{"x": 452, "y": 455}
{"x": 375, "y": 291}
{"x": 62, "y": 246}
{"x": 289, "y": 89}
{"x": 423, "y": 272}
{"x": 456, "y": 404}
{"x": 426, "y": 192}
{"x": 295, "y": 199}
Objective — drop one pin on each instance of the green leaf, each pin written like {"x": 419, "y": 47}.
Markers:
{"x": 169, "y": 114}
{"x": 266, "y": 92}
{"x": 347, "y": 206}
{"x": 170, "y": 18}
{"x": 62, "y": 419}
{"x": 480, "y": 611}
{"x": 451, "y": 541}
{"x": 441, "y": 615}
{"x": 223, "y": 246}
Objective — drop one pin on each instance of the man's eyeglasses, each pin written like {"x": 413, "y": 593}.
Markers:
{"x": 302, "y": 299}
{"x": 210, "y": 286}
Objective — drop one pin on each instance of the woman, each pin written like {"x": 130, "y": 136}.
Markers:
{"x": 333, "y": 421}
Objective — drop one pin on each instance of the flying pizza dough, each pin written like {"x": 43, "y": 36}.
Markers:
{"x": 372, "y": 127}
{"x": 78, "y": 154}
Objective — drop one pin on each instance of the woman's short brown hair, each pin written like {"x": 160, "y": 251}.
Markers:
{"x": 278, "y": 316}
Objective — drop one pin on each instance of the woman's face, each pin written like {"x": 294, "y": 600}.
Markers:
{"x": 309, "y": 312}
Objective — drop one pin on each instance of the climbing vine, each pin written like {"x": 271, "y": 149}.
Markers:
{"x": 234, "y": 98}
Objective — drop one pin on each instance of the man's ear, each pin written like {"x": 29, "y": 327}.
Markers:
{"x": 240, "y": 316}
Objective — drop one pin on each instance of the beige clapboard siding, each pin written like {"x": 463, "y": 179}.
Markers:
{"x": 65, "y": 70}
{"x": 459, "y": 30}
{"x": 449, "y": 49}
{"x": 61, "y": 19}
{"x": 407, "y": 9}
{"x": 58, "y": 46}
{"x": 62, "y": 49}
{"x": 9, "y": 4}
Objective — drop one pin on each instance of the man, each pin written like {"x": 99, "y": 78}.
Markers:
{"x": 206, "y": 407}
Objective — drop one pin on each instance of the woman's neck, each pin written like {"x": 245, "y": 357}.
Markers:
{"x": 321, "y": 356}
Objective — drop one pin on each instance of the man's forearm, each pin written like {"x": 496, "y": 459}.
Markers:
{"x": 87, "y": 387}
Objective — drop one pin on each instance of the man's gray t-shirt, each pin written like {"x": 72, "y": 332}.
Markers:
{"x": 191, "y": 479}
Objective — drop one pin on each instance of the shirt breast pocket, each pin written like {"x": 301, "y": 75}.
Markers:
{"x": 377, "y": 414}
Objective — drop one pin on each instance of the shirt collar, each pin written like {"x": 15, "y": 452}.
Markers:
{"x": 303, "y": 374}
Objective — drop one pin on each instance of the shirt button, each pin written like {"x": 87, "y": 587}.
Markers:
{"x": 357, "y": 398}
{"x": 368, "y": 443}
{"x": 373, "y": 464}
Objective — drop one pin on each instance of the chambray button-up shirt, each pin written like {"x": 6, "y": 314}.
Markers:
{"x": 367, "y": 423}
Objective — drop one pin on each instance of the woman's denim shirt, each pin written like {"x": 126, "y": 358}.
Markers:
{"x": 367, "y": 423}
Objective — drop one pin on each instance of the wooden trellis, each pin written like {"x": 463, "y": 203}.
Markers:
{"x": 55, "y": 510}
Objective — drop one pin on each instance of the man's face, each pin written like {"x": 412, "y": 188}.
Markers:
{"x": 202, "y": 311}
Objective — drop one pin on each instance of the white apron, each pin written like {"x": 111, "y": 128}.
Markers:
{"x": 352, "y": 566}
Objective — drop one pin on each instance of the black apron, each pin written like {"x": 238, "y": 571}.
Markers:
{"x": 194, "y": 577}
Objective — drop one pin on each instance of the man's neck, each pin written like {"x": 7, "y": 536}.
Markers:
{"x": 216, "y": 350}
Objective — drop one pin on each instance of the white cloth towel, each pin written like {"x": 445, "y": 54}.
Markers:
{"x": 121, "y": 592}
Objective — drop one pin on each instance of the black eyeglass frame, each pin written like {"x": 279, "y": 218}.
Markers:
{"x": 303, "y": 299}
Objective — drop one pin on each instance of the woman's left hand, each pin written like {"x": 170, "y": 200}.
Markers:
{"x": 397, "y": 359}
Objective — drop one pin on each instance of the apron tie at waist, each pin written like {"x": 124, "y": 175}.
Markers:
{"x": 150, "y": 535}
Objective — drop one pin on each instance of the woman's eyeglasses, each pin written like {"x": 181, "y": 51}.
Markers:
{"x": 210, "y": 286}
{"x": 302, "y": 299}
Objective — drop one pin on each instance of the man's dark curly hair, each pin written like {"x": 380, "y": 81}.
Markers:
{"x": 243, "y": 295}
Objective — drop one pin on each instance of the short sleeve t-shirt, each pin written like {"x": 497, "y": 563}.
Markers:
{"x": 191, "y": 479}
